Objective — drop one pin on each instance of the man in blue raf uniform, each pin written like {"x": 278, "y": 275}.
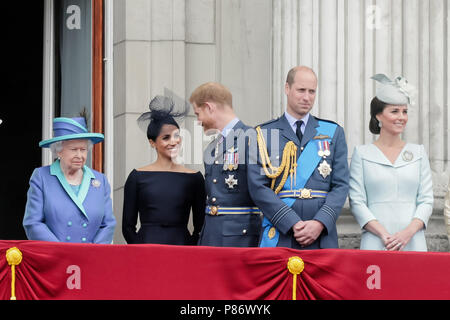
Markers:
{"x": 300, "y": 178}
{"x": 232, "y": 219}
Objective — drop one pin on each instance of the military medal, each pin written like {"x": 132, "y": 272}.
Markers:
{"x": 231, "y": 181}
{"x": 407, "y": 155}
{"x": 326, "y": 148}
{"x": 231, "y": 160}
{"x": 324, "y": 169}
{"x": 320, "y": 147}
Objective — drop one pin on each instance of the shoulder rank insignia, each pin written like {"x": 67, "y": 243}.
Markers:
{"x": 326, "y": 120}
{"x": 268, "y": 122}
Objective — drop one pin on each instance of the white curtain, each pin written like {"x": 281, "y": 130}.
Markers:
{"x": 76, "y": 57}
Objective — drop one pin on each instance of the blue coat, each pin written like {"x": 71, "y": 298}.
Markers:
{"x": 54, "y": 212}
{"x": 229, "y": 230}
{"x": 324, "y": 209}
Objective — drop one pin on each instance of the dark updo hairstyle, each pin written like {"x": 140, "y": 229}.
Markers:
{"x": 376, "y": 107}
{"x": 161, "y": 113}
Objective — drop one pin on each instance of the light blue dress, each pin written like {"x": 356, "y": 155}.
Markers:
{"x": 393, "y": 194}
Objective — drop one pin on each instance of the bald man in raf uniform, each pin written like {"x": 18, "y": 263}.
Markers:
{"x": 299, "y": 177}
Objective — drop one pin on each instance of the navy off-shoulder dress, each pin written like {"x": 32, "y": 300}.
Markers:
{"x": 163, "y": 201}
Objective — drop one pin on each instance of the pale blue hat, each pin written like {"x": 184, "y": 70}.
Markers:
{"x": 71, "y": 129}
{"x": 396, "y": 92}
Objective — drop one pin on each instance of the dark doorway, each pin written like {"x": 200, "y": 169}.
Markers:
{"x": 21, "y": 110}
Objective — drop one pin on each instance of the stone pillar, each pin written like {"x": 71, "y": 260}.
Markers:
{"x": 173, "y": 46}
{"x": 149, "y": 58}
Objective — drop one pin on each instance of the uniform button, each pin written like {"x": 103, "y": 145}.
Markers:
{"x": 68, "y": 238}
{"x": 216, "y": 162}
{"x": 214, "y": 180}
{"x": 83, "y": 239}
{"x": 69, "y": 223}
{"x": 84, "y": 225}
{"x": 244, "y": 231}
{"x": 214, "y": 210}
{"x": 302, "y": 148}
{"x": 213, "y": 199}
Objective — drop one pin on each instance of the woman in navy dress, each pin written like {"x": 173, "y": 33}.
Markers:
{"x": 163, "y": 193}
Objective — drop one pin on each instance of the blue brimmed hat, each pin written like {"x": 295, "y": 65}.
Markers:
{"x": 71, "y": 129}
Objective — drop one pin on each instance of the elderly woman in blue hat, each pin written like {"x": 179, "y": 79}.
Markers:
{"x": 67, "y": 201}
{"x": 391, "y": 192}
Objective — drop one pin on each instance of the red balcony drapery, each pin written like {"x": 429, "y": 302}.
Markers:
{"x": 51, "y": 270}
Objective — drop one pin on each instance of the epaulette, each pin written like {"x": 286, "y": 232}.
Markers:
{"x": 267, "y": 122}
{"x": 326, "y": 120}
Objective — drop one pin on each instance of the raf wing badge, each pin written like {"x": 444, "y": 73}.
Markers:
{"x": 320, "y": 137}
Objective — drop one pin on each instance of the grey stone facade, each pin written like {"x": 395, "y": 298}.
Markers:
{"x": 249, "y": 45}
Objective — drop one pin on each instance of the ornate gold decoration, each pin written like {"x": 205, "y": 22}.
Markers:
{"x": 271, "y": 233}
{"x": 305, "y": 194}
{"x": 214, "y": 210}
{"x": 288, "y": 162}
{"x": 14, "y": 258}
{"x": 295, "y": 266}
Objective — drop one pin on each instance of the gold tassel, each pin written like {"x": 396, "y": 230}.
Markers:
{"x": 295, "y": 266}
{"x": 288, "y": 162}
{"x": 14, "y": 258}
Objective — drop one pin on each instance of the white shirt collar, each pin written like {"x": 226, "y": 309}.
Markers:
{"x": 293, "y": 120}
{"x": 229, "y": 126}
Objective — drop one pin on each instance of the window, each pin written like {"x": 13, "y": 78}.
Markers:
{"x": 78, "y": 65}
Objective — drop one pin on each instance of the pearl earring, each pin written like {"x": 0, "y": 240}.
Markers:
{"x": 380, "y": 124}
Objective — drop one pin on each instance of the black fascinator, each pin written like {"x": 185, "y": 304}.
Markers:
{"x": 163, "y": 110}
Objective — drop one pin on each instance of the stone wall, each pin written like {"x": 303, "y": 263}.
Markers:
{"x": 172, "y": 46}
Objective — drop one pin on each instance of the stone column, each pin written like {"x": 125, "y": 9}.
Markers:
{"x": 149, "y": 58}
